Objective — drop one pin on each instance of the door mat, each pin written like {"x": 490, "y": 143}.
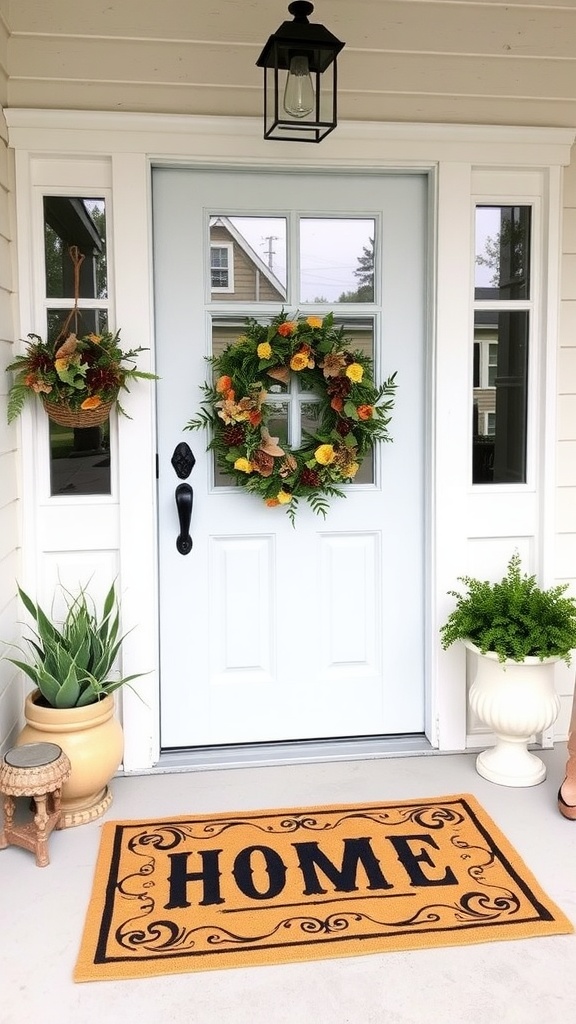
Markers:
{"x": 236, "y": 890}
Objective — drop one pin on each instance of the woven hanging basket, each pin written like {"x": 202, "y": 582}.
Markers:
{"x": 77, "y": 418}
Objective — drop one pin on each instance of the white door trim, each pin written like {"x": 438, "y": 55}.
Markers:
{"x": 65, "y": 142}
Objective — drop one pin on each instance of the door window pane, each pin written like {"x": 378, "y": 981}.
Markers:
{"x": 337, "y": 259}
{"x": 502, "y": 252}
{"x": 247, "y": 259}
{"x": 500, "y": 396}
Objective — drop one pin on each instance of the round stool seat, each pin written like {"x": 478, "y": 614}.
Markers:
{"x": 33, "y": 769}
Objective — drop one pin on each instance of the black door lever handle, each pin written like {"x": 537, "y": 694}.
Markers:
{"x": 184, "y": 500}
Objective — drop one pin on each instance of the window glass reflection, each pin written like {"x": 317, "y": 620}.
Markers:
{"x": 247, "y": 259}
{"x": 500, "y": 396}
{"x": 79, "y": 460}
{"x": 71, "y": 221}
{"x": 337, "y": 259}
{"x": 76, "y": 268}
{"x": 502, "y": 252}
{"x": 84, "y": 321}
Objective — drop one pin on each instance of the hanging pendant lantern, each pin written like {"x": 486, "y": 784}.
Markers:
{"x": 299, "y": 62}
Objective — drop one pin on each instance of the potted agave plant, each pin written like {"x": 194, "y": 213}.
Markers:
{"x": 516, "y": 632}
{"x": 71, "y": 664}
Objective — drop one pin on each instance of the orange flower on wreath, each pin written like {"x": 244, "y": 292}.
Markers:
{"x": 223, "y": 384}
{"x": 365, "y": 412}
{"x": 286, "y": 329}
{"x": 91, "y": 403}
{"x": 337, "y": 404}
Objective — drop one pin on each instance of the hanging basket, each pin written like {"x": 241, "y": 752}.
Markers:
{"x": 64, "y": 416}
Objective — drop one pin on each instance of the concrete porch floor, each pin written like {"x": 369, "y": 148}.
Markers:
{"x": 524, "y": 981}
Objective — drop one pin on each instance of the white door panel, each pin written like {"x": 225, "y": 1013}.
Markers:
{"x": 270, "y": 632}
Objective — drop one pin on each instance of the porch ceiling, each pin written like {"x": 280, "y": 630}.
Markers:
{"x": 404, "y": 60}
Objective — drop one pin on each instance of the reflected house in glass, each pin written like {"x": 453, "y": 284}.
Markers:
{"x": 237, "y": 273}
{"x": 484, "y": 404}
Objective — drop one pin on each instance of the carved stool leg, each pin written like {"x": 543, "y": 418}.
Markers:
{"x": 41, "y": 821}
{"x": 9, "y": 805}
{"x": 57, "y": 805}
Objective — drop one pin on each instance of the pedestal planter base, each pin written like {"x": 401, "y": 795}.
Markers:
{"x": 516, "y": 700}
{"x": 83, "y": 811}
{"x": 510, "y": 764}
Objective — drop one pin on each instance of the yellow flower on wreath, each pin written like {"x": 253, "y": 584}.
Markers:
{"x": 355, "y": 372}
{"x": 243, "y": 465}
{"x": 325, "y": 454}
{"x": 314, "y": 321}
{"x": 264, "y": 350}
{"x": 299, "y": 360}
{"x": 350, "y": 471}
{"x": 283, "y": 497}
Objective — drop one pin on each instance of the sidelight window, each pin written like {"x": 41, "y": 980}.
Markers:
{"x": 502, "y": 308}
{"x": 79, "y": 459}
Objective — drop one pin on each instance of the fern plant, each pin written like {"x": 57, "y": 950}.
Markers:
{"x": 74, "y": 665}
{"x": 514, "y": 618}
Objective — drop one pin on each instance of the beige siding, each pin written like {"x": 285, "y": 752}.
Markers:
{"x": 10, "y": 690}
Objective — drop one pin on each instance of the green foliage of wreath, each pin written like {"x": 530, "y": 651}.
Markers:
{"x": 352, "y": 411}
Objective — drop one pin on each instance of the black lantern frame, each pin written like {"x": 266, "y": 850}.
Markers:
{"x": 299, "y": 38}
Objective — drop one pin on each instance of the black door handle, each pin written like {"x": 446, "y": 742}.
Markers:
{"x": 184, "y": 500}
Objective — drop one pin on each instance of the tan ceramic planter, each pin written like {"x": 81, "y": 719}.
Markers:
{"x": 92, "y": 738}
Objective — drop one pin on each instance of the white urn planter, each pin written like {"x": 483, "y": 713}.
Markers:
{"x": 515, "y": 699}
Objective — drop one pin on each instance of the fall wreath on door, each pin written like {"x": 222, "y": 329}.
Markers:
{"x": 350, "y": 411}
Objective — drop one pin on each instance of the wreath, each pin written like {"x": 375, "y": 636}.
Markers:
{"x": 352, "y": 412}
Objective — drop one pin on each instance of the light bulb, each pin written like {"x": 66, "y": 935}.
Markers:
{"x": 299, "y": 91}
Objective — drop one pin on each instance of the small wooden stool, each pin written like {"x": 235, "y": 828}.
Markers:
{"x": 35, "y": 770}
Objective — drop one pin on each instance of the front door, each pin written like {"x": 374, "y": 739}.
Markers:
{"x": 271, "y": 631}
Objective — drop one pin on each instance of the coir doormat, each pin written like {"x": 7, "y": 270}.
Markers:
{"x": 234, "y": 890}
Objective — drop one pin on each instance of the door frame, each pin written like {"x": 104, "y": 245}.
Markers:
{"x": 233, "y": 703}
{"x": 74, "y": 150}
